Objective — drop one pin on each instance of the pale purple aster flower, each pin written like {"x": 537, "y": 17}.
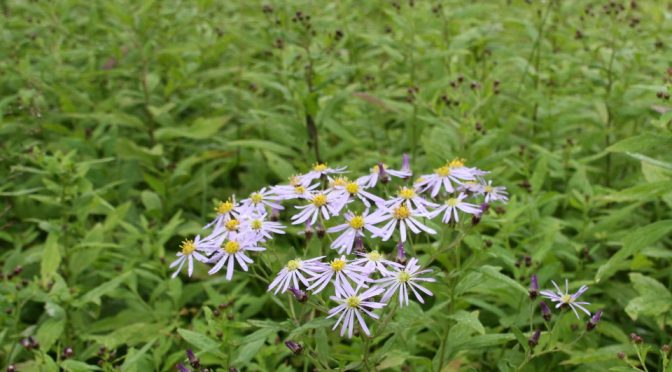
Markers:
{"x": 260, "y": 228}
{"x": 494, "y": 193}
{"x": 452, "y": 205}
{"x": 292, "y": 273}
{"x": 409, "y": 197}
{"x": 403, "y": 279}
{"x": 297, "y": 189}
{"x": 351, "y": 305}
{"x": 344, "y": 191}
{"x": 566, "y": 299}
{"x": 403, "y": 217}
{"x": 319, "y": 170}
{"x": 259, "y": 200}
{"x": 372, "y": 179}
{"x": 375, "y": 261}
{"x": 343, "y": 271}
{"x": 189, "y": 250}
{"x": 320, "y": 203}
{"x": 453, "y": 172}
{"x": 225, "y": 210}
{"x": 233, "y": 250}
{"x": 354, "y": 227}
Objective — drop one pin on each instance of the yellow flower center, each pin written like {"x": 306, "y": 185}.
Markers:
{"x": 299, "y": 189}
{"x": 402, "y": 212}
{"x": 224, "y": 207}
{"x": 488, "y": 188}
{"x": 353, "y": 301}
{"x": 406, "y": 193}
{"x": 357, "y": 222}
{"x": 443, "y": 171}
{"x": 418, "y": 180}
{"x": 456, "y": 163}
{"x": 452, "y": 202}
{"x": 256, "y": 197}
{"x": 293, "y": 265}
{"x": 232, "y": 225}
{"x": 188, "y": 246}
{"x": 256, "y": 224}
{"x": 374, "y": 256}
{"x": 294, "y": 180}
{"x": 231, "y": 247}
{"x": 339, "y": 181}
{"x": 337, "y": 265}
{"x": 320, "y": 167}
{"x": 404, "y": 276}
{"x": 567, "y": 299}
{"x": 352, "y": 187}
{"x": 319, "y": 200}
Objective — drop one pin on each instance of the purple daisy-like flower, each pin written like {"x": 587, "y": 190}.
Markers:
{"x": 567, "y": 299}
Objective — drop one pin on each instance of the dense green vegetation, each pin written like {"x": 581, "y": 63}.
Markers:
{"x": 123, "y": 122}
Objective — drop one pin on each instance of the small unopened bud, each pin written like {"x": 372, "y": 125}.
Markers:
{"x": 11, "y": 368}
{"x": 308, "y": 231}
{"x": 382, "y": 174}
{"x": 359, "y": 244}
{"x": 401, "y": 253}
{"x": 17, "y": 270}
{"x": 25, "y": 343}
{"x": 180, "y": 367}
{"x": 620, "y": 355}
{"x": 319, "y": 228}
{"x": 275, "y": 214}
{"x": 192, "y": 359}
{"x": 233, "y": 369}
{"x": 534, "y": 287}
{"x": 406, "y": 164}
{"x": 68, "y": 352}
{"x": 294, "y": 347}
{"x": 528, "y": 261}
{"x": 484, "y": 207}
{"x": 475, "y": 219}
{"x": 534, "y": 339}
{"x": 300, "y": 295}
{"x": 665, "y": 348}
{"x": 545, "y": 311}
{"x": 592, "y": 323}
{"x": 636, "y": 338}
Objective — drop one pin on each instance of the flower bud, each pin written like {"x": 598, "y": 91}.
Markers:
{"x": 233, "y": 369}
{"x": 534, "y": 339}
{"x": 592, "y": 323}
{"x": 300, "y": 295}
{"x": 359, "y": 245}
{"x": 665, "y": 348}
{"x": 11, "y": 368}
{"x": 401, "y": 253}
{"x": 545, "y": 311}
{"x": 406, "y": 164}
{"x": 382, "y": 174}
{"x": 192, "y": 359}
{"x": 180, "y": 367}
{"x": 308, "y": 231}
{"x": 275, "y": 214}
{"x": 68, "y": 352}
{"x": 534, "y": 287}
{"x": 294, "y": 347}
{"x": 620, "y": 355}
{"x": 320, "y": 230}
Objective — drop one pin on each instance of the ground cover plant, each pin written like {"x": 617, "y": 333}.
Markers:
{"x": 352, "y": 185}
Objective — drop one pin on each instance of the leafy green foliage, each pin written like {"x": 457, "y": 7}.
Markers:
{"x": 123, "y": 121}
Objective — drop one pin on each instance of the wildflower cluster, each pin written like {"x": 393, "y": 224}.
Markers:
{"x": 362, "y": 280}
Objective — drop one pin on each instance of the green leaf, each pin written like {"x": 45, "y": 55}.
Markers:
{"x": 72, "y": 365}
{"x": 201, "y": 128}
{"x": 654, "y": 299}
{"x": 150, "y": 200}
{"x": 50, "y": 331}
{"x": 51, "y": 257}
{"x": 494, "y": 273}
{"x": 95, "y": 294}
{"x": 469, "y": 319}
{"x": 248, "y": 351}
{"x": 201, "y": 342}
{"x": 633, "y": 244}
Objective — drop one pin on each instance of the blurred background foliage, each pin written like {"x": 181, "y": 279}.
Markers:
{"x": 122, "y": 121}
